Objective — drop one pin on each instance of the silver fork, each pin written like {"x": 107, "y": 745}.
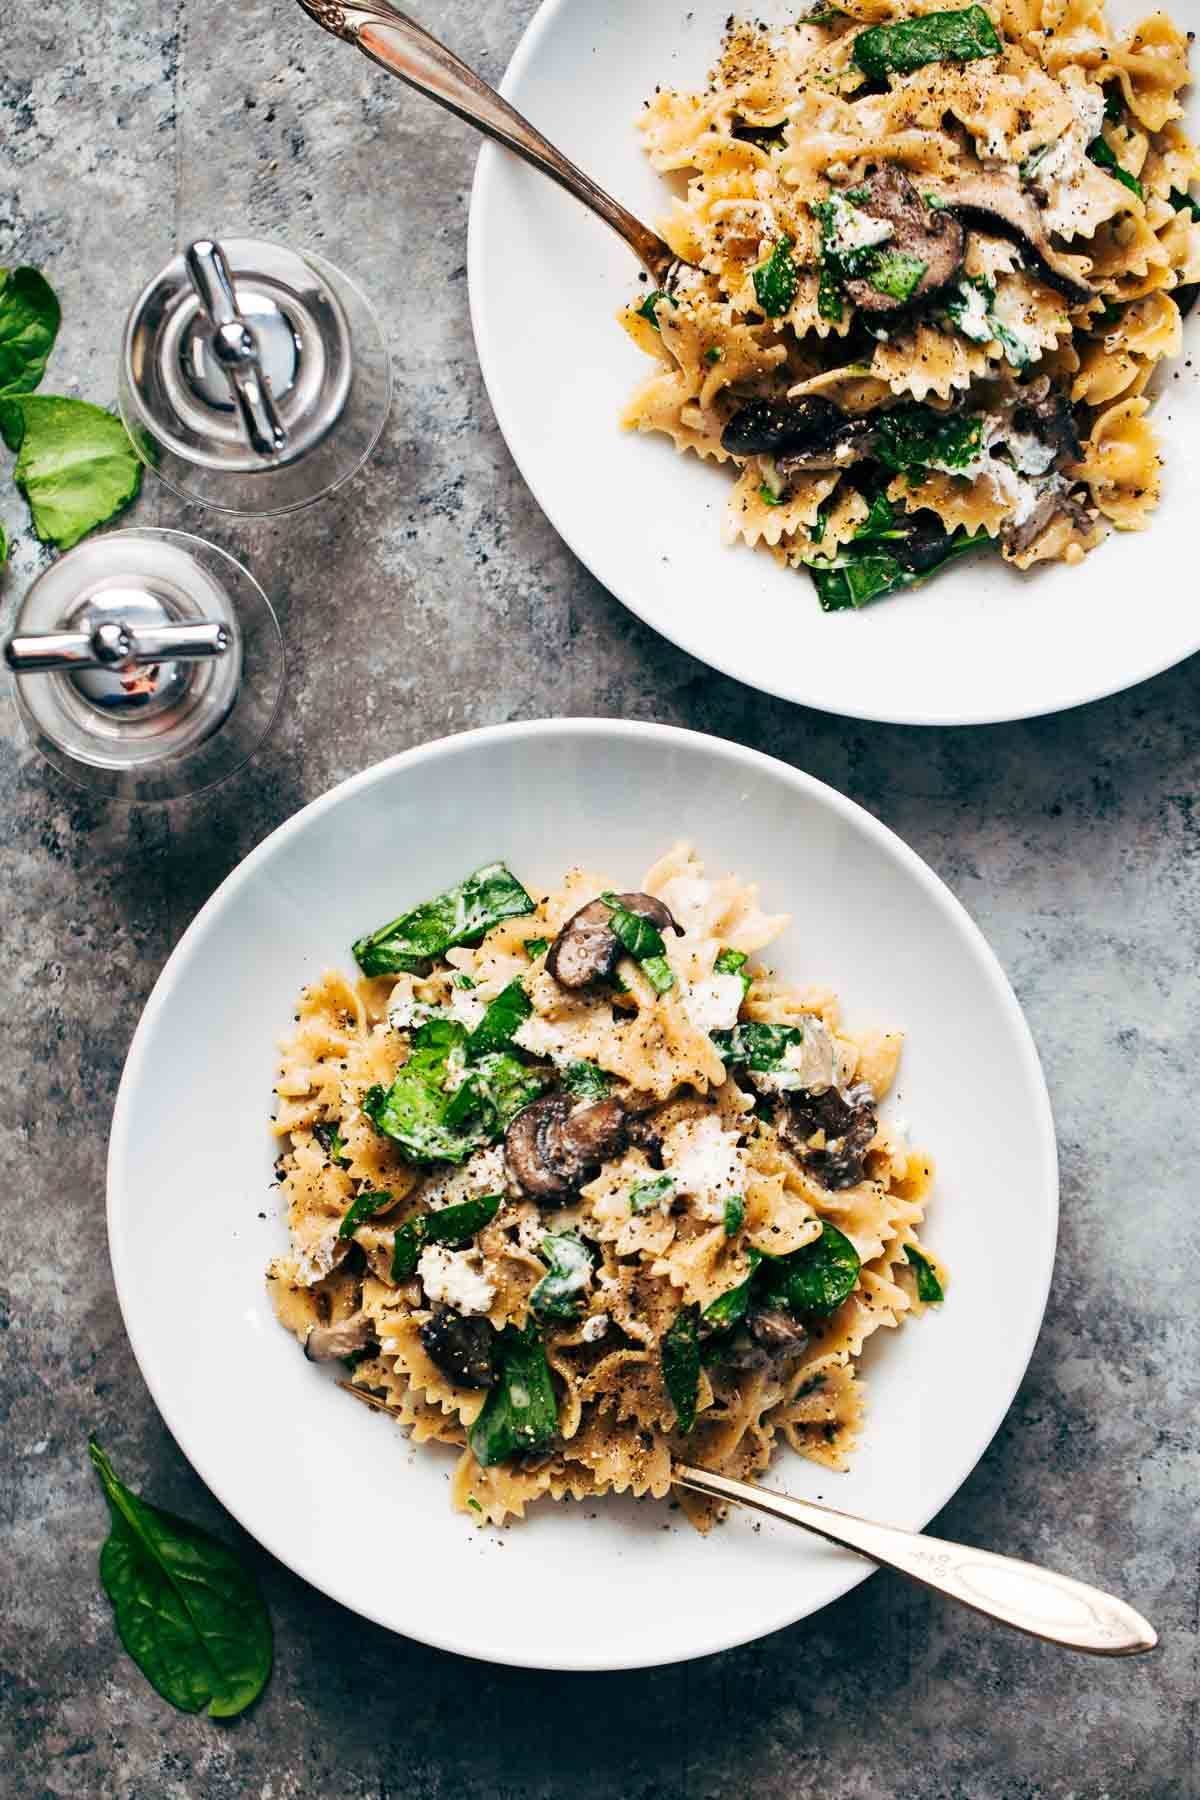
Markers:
{"x": 1053, "y": 1607}
{"x": 404, "y": 48}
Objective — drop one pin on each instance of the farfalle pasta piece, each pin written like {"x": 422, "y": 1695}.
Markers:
{"x": 1121, "y": 465}
{"x": 753, "y": 518}
{"x": 1151, "y": 64}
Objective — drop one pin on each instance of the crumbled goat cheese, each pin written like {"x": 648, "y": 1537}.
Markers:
{"x": 483, "y": 1173}
{"x": 466, "y": 1006}
{"x": 854, "y": 229}
{"x": 714, "y": 1005}
{"x": 974, "y": 320}
{"x": 455, "y": 1278}
{"x": 706, "y": 1163}
{"x": 1029, "y": 453}
{"x": 594, "y": 1329}
{"x": 405, "y": 1011}
{"x": 811, "y": 1064}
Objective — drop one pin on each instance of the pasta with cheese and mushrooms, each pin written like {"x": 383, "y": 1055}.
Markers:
{"x": 930, "y": 260}
{"x": 578, "y": 1186}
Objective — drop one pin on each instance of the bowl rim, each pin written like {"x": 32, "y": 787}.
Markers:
{"x": 492, "y": 159}
{"x": 595, "y": 729}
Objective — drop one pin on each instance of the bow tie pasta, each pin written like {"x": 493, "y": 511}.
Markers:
{"x": 930, "y": 260}
{"x": 578, "y": 1187}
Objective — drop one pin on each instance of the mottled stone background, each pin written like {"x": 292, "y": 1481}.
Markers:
{"x": 432, "y": 596}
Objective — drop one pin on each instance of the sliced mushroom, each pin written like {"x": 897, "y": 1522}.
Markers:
{"x": 1046, "y": 414}
{"x": 644, "y": 1134}
{"x": 555, "y": 1145}
{"x": 767, "y": 1337}
{"x": 999, "y": 203}
{"x": 1054, "y": 504}
{"x": 330, "y": 1343}
{"x": 810, "y": 433}
{"x": 848, "y": 1122}
{"x": 587, "y": 949}
{"x": 932, "y": 236}
{"x": 463, "y": 1348}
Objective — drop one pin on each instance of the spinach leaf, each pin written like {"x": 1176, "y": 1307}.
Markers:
{"x": 75, "y": 464}
{"x": 776, "y": 279}
{"x": 29, "y": 321}
{"x": 364, "y": 1207}
{"x": 769, "y": 497}
{"x": 643, "y": 941}
{"x": 450, "y": 1225}
{"x": 520, "y": 1414}
{"x": 916, "y": 437}
{"x": 414, "y": 1111}
{"x": 730, "y": 1308}
{"x": 733, "y": 962}
{"x": 648, "y": 1194}
{"x": 1105, "y": 157}
{"x": 506, "y": 1014}
{"x": 897, "y": 49}
{"x": 187, "y": 1609}
{"x": 855, "y": 576}
{"x": 762, "y": 1048}
{"x": 733, "y": 1214}
{"x": 983, "y": 325}
{"x": 459, "y": 916}
{"x": 815, "y": 1279}
{"x": 1184, "y": 203}
{"x": 535, "y": 947}
{"x": 496, "y": 1089}
{"x": 586, "y": 1081}
{"x": 897, "y": 274}
{"x": 647, "y": 309}
{"x": 681, "y": 1366}
{"x": 560, "y": 1294}
{"x": 332, "y": 1143}
{"x": 929, "y": 1288}
{"x": 369, "y": 1203}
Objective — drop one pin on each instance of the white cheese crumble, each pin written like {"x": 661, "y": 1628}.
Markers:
{"x": 466, "y": 1006}
{"x": 854, "y": 229}
{"x": 713, "y": 1005}
{"x": 455, "y": 1278}
{"x": 706, "y": 1162}
{"x": 1030, "y": 455}
{"x": 812, "y": 1063}
{"x": 484, "y": 1173}
{"x": 541, "y": 1037}
{"x": 974, "y": 321}
{"x": 594, "y": 1329}
{"x": 405, "y": 1011}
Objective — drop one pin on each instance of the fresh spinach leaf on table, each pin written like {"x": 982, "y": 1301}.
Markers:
{"x": 187, "y": 1609}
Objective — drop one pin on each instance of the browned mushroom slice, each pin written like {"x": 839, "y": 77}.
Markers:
{"x": 587, "y": 949}
{"x": 1000, "y": 203}
{"x": 810, "y": 433}
{"x": 932, "y": 237}
{"x": 1017, "y": 539}
{"x": 555, "y": 1145}
{"x": 330, "y": 1343}
{"x": 463, "y": 1348}
{"x": 1046, "y": 414}
{"x": 848, "y": 1123}
{"x": 767, "y": 1337}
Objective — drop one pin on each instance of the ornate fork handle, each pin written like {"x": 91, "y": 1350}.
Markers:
{"x": 1046, "y": 1605}
{"x": 402, "y": 47}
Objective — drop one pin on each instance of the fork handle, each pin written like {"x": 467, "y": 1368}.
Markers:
{"x": 404, "y": 48}
{"x": 1053, "y": 1607}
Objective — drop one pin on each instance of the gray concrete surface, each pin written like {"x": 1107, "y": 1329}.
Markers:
{"x": 431, "y": 597}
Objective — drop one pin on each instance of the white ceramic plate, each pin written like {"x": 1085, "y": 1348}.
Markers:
{"x": 981, "y": 643}
{"x": 335, "y": 1491}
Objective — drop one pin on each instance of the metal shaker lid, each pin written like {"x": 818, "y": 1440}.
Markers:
{"x": 221, "y": 323}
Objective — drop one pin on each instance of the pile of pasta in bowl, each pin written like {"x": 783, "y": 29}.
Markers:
{"x": 578, "y": 1186}
{"x": 931, "y": 259}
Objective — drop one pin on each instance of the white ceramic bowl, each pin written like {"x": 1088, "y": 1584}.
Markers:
{"x": 980, "y": 643}
{"x": 334, "y": 1490}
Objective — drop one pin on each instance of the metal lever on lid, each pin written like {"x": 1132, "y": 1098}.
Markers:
{"x": 235, "y": 347}
{"x": 113, "y": 645}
